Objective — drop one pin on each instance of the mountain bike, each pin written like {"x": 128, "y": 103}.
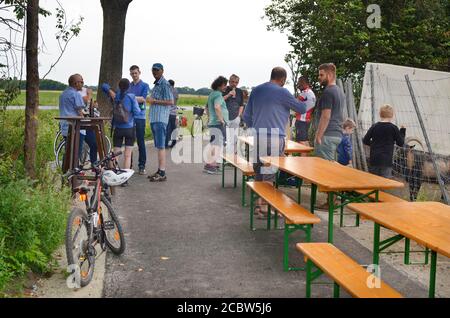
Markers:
{"x": 97, "y": 223}
{"x": 198, "y": 127}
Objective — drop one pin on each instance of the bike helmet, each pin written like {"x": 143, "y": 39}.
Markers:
{"x": 115, "y": 178}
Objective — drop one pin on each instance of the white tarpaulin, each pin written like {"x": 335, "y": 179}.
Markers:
{"x": 432, "y": 91}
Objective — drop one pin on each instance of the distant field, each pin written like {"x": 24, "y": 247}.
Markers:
{"x": 51, "y": 98}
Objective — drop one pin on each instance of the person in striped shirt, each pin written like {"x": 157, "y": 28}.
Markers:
{"x": 302, "y": 120}
{"x": 160, "y": 101}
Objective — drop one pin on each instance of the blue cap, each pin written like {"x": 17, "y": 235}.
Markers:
{"x": 106, "y": 88}
{"x": 159, "y": 66}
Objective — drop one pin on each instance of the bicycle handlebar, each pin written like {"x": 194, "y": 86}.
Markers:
{"x": 70, "y": 173}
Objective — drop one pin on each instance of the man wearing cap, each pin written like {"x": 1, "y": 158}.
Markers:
{"x": 160, "y": 101}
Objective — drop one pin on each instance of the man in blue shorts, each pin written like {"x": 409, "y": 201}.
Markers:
{"x": 160, "y": 101}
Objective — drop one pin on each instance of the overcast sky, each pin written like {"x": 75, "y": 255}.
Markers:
{"x": 195, "y": 40}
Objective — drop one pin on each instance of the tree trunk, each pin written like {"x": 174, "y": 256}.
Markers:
{"x": 32, "y": 87}
{"x": 114, "y": 15}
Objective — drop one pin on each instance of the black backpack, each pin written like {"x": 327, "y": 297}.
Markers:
{"x": 120, "y": 114}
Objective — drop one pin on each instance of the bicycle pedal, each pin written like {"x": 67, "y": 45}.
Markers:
{"x": 108, "y": 225}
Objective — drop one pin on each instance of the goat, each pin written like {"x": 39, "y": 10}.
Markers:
{"x": 416, "y": 165}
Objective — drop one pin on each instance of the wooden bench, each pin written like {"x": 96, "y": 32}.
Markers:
{"x": 295, "y": 216}
{"x": 343, "y": 270}
{"x": 243, "y": 165}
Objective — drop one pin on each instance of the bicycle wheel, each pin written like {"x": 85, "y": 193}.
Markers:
{"x": 197, "y": 127}
{"x": 58, "y": 138}
{"x": 78, "y": 250}
{"x": 60, "y": 153}
{"x": 111, "y": 227}
{"x": 108, "y": 144}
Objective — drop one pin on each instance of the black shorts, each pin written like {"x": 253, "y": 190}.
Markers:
{"x": 129, "y": 134}
{"x": 301, "y": 130}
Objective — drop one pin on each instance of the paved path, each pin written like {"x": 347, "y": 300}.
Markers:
{"x": 188, "y": 237}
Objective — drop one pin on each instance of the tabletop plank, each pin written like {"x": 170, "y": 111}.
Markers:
{"x": 290, "y": 147}
{"x": 330, "y": 175}
{"x": 427, "y": 223}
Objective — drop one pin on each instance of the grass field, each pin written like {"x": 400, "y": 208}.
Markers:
{"x": 51, "y": 98}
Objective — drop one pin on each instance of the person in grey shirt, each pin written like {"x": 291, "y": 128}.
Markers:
{"x": 172, "y": 117}
{"x": 329, "y": 117}
{"x": 234, "y": 98}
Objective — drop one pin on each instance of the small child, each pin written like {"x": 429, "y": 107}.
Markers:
{"x": 381, "y": 138}
{"x": 345, "y": 148}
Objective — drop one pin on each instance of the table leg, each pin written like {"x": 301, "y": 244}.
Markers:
{"x": 432, "y": 290}
{"x": 235, "y": 178}
{"x": 376, "y": 244}
{"x": 299, "y": 185}
{"x": 313, "y": 196}
{"x": 330, "y": 216}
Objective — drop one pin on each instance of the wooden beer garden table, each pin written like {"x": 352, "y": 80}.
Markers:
{"x": 427, "y": 223}
{"x": 334, "y": 179}
{"x": 291, "y": 147}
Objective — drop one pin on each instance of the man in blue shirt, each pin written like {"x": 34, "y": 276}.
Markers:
{"x": 140, "y": 89}
{"x": 267, "y": 113}
{"x": 160, "y": 101}
{"x": 71, "y": 104}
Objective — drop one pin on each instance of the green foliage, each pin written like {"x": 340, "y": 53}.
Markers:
{"x": 32, "y": 222}
{"x": 413, "y": 33}
{"x": 32, "y": 214}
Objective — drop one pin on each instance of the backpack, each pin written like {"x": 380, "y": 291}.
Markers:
{"x": 120, "y": 114}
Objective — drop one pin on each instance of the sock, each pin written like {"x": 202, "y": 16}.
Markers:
{"x": 162, "y": 173}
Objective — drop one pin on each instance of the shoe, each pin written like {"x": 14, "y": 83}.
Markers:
{"x": 153, "y": 175}
{"x": 142, "y": 171}
{"x": 158, "y": 178}
{"x": 209, "y": 169}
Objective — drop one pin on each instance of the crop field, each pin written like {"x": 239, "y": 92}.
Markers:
{"x": 51, "y": 98}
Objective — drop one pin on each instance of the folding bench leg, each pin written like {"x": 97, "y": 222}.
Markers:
{"x": 244, "y": 188}
{"x": 223, "y": 173}
{"x": 235, "y": 178}
{"x": 252, "y": 208}
{"x": 336, "y": 290}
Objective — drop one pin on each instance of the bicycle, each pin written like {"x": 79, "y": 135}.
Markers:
{"x": 180, "y": 123}
{"x": 59, "y": 144}
{"x": 198, "y": 126}
{"x": 97, "y": 223}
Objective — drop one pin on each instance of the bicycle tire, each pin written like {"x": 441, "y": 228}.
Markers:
{"x": 60, "y": 152}
{"x": 58, "y": 139}
{"x": 197, "y": 127}
{"x": 79, "y": 218}
{"x": 115, "y": 235}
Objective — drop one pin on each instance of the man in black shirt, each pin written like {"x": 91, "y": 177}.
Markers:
{"x": 234, "y": 98}
{"x": 381, "y": 138}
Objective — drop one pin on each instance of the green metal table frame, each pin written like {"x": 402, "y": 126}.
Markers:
{"x": 245, "y": 178}
{"x": 379, "y": 246}
{"x": 288, "y": 229}
{"x": 312, "y": 275}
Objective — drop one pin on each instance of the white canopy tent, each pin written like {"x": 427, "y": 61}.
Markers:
{"x": 432, "y": 92}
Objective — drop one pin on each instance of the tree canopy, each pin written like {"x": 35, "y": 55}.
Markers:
{"x": 412, "y": 33}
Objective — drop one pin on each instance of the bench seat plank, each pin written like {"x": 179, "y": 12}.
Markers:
{"x": 240, "y": 163}
{"x": 345, "y": 271}
{"x": 292, "y": 211}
